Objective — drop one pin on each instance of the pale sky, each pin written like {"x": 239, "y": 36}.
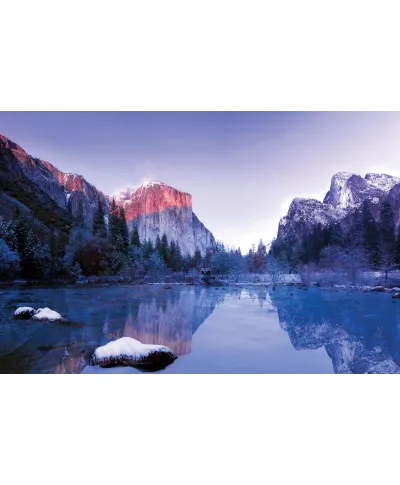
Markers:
{"x": 242, "y": 168}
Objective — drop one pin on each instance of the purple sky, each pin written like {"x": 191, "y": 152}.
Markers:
{"x": 242, "y": 168}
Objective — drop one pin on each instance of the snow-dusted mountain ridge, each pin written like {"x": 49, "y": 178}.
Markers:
{"x": 347, "y": 192}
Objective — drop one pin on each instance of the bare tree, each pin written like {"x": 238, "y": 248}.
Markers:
{"x": 277, "y": 269}
{"x": 348, "y": 254}
{"x": 387, "y": 262}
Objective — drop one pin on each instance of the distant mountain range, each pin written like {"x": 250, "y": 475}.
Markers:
{"x": 53, "y": 198}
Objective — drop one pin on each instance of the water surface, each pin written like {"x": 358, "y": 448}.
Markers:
{"x": 212, "y": 330}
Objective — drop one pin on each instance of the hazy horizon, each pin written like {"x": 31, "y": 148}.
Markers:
{"x": 242, "y": 168}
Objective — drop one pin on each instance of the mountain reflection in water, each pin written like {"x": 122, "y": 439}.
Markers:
{"x": 94, "y": 316}
{"x": 212, "y": 330}
{"x": 359, "y": 331}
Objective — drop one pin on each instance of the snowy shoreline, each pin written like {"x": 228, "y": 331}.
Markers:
{"x": 224, "y": 285}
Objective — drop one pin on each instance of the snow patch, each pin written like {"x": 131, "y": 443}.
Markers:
{"x": 23, "y": 309}
{"x": 382, "y": 181}
{"x": 129, "y": 347}
{"x": 387, "y": 366}
{"x": 46, "y": 314}
{"x": 24, "y": 312}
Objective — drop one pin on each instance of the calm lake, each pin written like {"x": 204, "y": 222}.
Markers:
{"x": 212, "y": 330}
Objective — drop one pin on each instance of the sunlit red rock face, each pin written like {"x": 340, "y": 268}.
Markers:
{"x": 157, "y": 209}
{"x": 18, "y": 152}
{"x": 152, "y": 197}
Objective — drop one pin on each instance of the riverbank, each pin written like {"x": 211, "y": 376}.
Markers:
{"x": 124, "y": 281}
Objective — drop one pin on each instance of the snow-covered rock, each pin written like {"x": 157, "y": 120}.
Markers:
{"x": 304, "y": 214}
{"x": 46, "y": 314}
{"x": 24, "y": 312}
{"x": 128, "y": 351}
{"x": 382, "y": 181}
{"x": 380, "y": 289}
{"x": 349, "y": 190}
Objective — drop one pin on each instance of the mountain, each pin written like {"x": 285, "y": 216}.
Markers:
{"x": 54, "y": 198}
{"x": 349, "y": 190}
{"x": 19, "y": 193}
{"x": 156, "y": 208}
{"x": 347, "y": 193}
{"x": 67, "y": 190}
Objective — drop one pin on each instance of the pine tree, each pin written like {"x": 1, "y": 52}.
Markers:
{"x": 53, "y": 254}
{"x": 197, "y": 259}
{"x": 123, "y": 230}
{"x": 28, "y": 260}
{"x": 207, "y": 258}
{"x": 371, "y": 236}
{"x": 172, "y": 249}
{"x": 80, "y": 215}
{"x": 9, "y": 260}
{"x": 176, "y": 257}
{"x": 177, "y": 262}
{"x": 148, "y": 249}
{"x": 99, "y": 225}
{"x": 398, "y": 249}
{"x": 113, "y": 222}
{"x": 164, "y": 249}
{"x": 157, "y": 246}
{"x": 135, "y": 239}
{"x": 250, "y": 258}
{"x": 387, "y": 228}
{"x": 8, "y": 234}
{"x": 387, "y": 239}
{"x": 259, "y": 258}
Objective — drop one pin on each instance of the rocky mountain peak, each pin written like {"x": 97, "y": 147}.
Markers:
{"x": 346, "y": 194}
{"x": 349, "y": 190}
{"x": 382, "y": 180}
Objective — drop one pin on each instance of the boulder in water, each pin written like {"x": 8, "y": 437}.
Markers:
{"x": 43, "y": 314}
{"x": 131, "y": 352}
{"x": 24, "y": 313}
{"x": 378, "y": 288}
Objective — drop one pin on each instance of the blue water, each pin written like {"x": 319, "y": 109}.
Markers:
{"x": 212, "y": 330}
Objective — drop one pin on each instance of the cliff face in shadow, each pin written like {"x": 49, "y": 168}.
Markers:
{"x": 358, "y": 330}
{"x": 41, "y": 187}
